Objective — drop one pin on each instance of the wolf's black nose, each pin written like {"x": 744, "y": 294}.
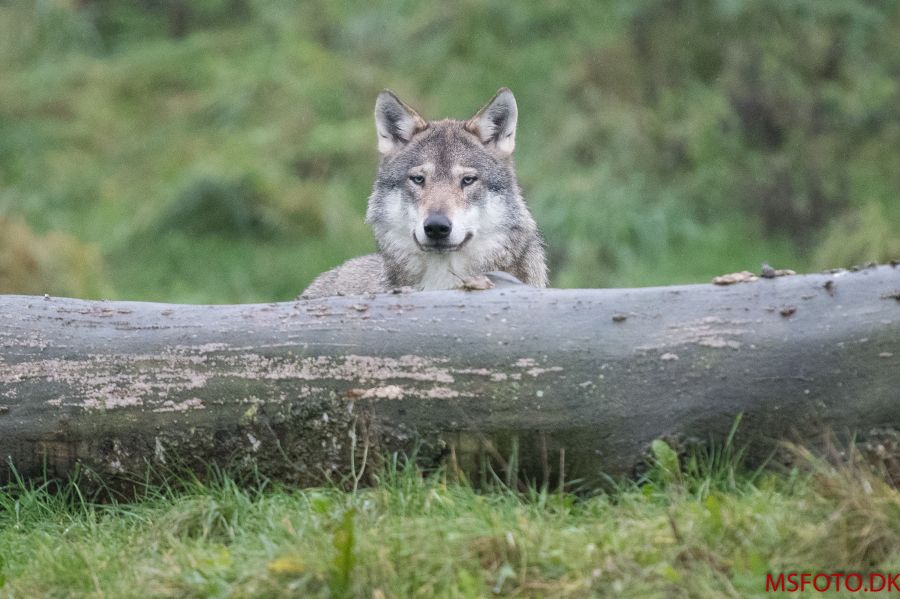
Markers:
{"x": 437, "y": 226}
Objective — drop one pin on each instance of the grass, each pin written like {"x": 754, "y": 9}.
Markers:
{"x": 706, "y": 529}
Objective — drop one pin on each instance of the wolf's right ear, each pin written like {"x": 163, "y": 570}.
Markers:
{"x": 395, "y": 122}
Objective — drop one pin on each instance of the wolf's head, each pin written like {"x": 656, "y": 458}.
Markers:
{"x": 446, "y": 203}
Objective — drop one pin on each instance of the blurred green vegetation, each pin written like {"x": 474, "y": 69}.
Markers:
{"x": 223, "y": 150}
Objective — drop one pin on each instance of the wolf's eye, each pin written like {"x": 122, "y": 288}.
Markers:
{"x": 468, "y": 180}
{"x": 417, "y": 179}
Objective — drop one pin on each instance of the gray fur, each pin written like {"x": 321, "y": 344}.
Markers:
{"x": 357, "y": 276}
{"x": 492, "y": 227}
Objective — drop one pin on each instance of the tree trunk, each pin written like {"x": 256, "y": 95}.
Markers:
{"x": 528, "y": 381}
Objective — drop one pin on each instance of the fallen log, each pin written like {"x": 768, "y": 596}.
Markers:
{"x": 531, "y": 381}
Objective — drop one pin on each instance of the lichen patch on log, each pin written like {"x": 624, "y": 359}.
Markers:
{"x": 405, "y": 392}
{"x": 109, "y": 381}
{"x": 192, "y": 403}
{"x": 710, "y": 331}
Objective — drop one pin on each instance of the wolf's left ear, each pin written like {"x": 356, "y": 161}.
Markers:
{"x": 395, "y": 122}
{"x": 495, "y": 124}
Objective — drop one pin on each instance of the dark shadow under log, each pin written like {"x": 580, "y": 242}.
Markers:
{"x": 310, "y": 390}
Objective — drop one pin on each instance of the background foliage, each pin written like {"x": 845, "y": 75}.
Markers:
{"x": 223, "y": 150}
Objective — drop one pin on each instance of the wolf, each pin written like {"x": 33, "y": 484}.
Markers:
{"x": 445, "y": 206}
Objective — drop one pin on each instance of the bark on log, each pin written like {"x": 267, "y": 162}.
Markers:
{"x": 585, "y": 377}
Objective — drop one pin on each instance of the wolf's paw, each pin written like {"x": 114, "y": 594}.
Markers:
{"x": 476, "y": 283}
